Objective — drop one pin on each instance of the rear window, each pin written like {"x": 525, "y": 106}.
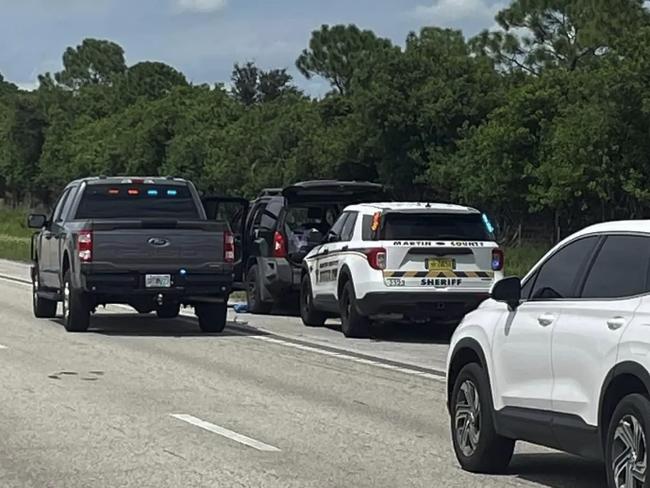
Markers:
{"x": 426, "y": 226}
{"x": 122, "y": 201}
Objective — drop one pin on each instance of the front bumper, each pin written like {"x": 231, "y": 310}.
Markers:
{"x": 420, "y": 304}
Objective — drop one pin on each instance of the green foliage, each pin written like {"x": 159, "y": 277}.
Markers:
{"x": 336, "y": 52}
{"x": 15, "y": 237}
{"x": 543, "y": 122}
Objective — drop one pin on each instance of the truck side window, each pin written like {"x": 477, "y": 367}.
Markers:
{"x": 65, "y": 213}
{"x": 58, "y": 209}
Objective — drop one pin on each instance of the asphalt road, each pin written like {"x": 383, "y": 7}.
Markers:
{"x": 138, "y": 402}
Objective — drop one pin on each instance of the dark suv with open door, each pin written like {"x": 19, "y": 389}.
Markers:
{"x": 274, "y": 232}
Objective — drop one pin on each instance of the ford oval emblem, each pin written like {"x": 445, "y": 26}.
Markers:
{"x": 158, "y": 242}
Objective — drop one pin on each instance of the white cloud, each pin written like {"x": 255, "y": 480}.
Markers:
{"x": 28, "y": 85}
{"x": 201, "y": 5}
{"x": 469, "y": 15}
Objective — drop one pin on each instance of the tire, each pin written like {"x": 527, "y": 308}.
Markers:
{"x": 253, "y": 293}
{"x": 353, "y": 324}
{"x": 212, "y": 316}
{"x": 310, "y": 316}
{"x": 169, "y": 311}
{"x": 626, "y": 442}
{"x": 76, "y": 307}
{"x": 478, "y": 447}
{"x": 43, "y": 308}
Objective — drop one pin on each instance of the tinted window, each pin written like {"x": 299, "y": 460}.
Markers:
{"x": 447, "y": 227}
{"x": 528, "y": 287}
{"x": 620, "y": 269}
{"x": 107, "y": 201}
{"x": 348, "y": 228}
{"x": 366, "y": 229}
{"x": 65, "y": 213}
{"x": 270, "y": 214}
{"x": 557, "y": 277}
{"x": 339, "y": 225}
{"x": 56, "y": 215}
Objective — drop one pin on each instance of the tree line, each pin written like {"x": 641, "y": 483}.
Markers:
{"x": 545, "y": 120}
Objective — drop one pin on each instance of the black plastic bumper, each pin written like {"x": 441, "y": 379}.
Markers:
{"x": 425, "y": 305}
{"x": 124, "y": 286}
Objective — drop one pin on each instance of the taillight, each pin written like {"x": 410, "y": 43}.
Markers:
{"x": 228, "y": 247}
{"x": 498, "y": 260}
{"x": 85, "y": 246}
{"x": 376, "y": 257}
{"x": 279, "y": 246}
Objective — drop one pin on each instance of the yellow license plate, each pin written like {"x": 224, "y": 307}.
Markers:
{"x": 435, "y": 264}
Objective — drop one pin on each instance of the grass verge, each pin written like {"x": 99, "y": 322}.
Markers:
{"x": 15, "y": 237}
{"x": 519, "y": 260}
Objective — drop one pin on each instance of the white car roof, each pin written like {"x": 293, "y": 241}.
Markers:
{"x": 616, "y": 226}
{"x": 370, "y": 208}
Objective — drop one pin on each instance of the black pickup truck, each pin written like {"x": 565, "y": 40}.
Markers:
{"x": 143, "y": 242}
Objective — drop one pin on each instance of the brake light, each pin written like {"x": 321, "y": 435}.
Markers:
{"x": 85, "y": 246}
{"x": 133, "y": 191}
{"x": 498, "y": 260}
{"x": 376, "y": 258}
{"x": 279, "y": 246}
{"x": 228, "y": 247}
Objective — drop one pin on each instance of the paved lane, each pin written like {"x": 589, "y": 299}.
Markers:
{"x": 97, "y": 410}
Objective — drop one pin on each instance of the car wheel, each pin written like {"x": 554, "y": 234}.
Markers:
{"x": 169, "y": 311}
{"x": 478, "y": 447}
{"x": 43, "y": 308}
{"x": 212, "y": 316}
{"x": 76, "y": 307}
{"x": 353, "y": 324}
{"x": 626, "y": 446}
{"x": 310, "y": 316}
{"x": 254, "y": 294}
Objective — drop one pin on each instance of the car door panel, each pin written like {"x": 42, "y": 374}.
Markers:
{"x": 328, "y": 259}
{"x": 586, "y": 338}
{"x": 525, "y": 384}
{"x": 522, "y": 349}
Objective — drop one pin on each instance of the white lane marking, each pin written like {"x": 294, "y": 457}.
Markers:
{"x": 242, "y": 439}
{"x": 347, "y": 357}
{"x": 316, "y": 350}
{"x": 3, "y": 347}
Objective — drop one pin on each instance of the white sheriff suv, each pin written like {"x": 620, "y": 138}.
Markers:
{"x": 419, "y": 261}
{"x": 561, "y": 359}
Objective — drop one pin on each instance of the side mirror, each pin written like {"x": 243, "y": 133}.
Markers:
{"x": 507, "y": 290}
{"x": 36, "y": 221}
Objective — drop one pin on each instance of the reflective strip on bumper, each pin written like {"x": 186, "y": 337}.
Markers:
{"x": 438, "y": 274}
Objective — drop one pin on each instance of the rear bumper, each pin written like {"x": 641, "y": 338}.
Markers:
{"x": 129, "y": 285}
{"x": 420, "y": 304}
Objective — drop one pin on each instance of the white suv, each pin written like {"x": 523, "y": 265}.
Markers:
{"x": 419, "y": 261}
{"x": 561, "y": 360}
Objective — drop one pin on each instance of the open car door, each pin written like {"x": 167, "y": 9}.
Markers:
{"x": 234, "y": 211}
{"x": 345, "y": 192}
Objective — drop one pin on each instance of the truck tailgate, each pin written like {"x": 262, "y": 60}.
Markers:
{"x": 158, "y": 245}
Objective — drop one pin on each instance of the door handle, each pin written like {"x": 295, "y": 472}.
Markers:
{"x": 615, "y": 323}
{"x": 546, "y": 319}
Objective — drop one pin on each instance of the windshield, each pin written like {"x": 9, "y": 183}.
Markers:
{"x": 445, "y": 227}
{"x": 123, "y": 201}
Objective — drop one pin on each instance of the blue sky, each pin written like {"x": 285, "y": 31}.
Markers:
{"x": 203, "y": 38}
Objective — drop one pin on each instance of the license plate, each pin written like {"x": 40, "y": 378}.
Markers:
{"x": 158, "y": 281}
{"x": 436, "y": 264}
